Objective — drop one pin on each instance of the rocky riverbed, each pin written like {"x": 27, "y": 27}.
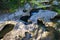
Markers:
{"x": 30, "y": 25}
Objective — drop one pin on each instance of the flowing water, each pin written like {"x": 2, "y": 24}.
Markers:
{"x": 45, "y": 15}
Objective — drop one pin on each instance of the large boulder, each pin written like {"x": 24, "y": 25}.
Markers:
{"x": 28, "y": 32}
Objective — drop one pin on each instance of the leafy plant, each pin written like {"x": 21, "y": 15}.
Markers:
{"x": 11, "y": 5}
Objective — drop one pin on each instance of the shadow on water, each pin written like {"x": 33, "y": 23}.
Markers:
{"x": 7, "y": 28}
{"x": 56, "y": 18}
{"x": 27, "y": 36}
{"x": 25, "y": 18}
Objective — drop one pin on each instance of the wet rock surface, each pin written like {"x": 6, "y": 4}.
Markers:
{"x": 29, "y": 32}
{"x": 39, "y": 26}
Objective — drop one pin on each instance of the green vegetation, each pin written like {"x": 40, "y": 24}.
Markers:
{"x": 56, "y": 9}
{"x": 11, "y": 5}
{"x": 8, "y": 5}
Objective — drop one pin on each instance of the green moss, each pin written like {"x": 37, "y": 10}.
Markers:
{"x": 56, "y": 9}
{"x": 57, "y": 35}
